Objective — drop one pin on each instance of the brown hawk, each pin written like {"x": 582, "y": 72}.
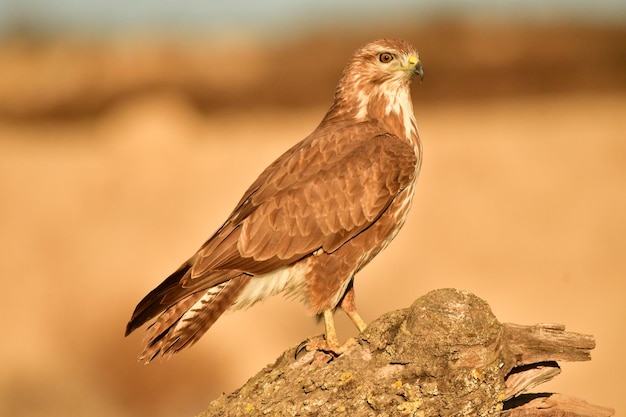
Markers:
{"x": 313, "y": 218}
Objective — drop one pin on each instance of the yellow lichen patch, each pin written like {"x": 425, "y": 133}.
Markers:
{"x": 345, "y": 377}
{"x": 249, "y": 408}
{"x": 341, "y": 409}
{"x": 397, "y": 384}
{"x": 410, "y": 408}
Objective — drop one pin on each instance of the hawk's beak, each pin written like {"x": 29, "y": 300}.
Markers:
{"x": 419, "y": 70}
{"x": 416, "y": 65}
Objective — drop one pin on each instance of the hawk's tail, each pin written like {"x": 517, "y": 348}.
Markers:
{"x": 182, "y": 324}
{"x": 183, "y": 315}
{"x": 154, "y": 303}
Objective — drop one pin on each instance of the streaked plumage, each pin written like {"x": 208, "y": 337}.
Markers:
{"x": 313, "y": 218}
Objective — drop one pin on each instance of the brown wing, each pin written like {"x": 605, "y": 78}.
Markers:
{"x": 319, "y": 195}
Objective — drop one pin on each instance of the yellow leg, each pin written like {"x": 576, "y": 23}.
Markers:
{"x": 330, "y": 343}
{"x": 357, "y": 320}
{"x": 331, "y": 332}
{"x": 349, "y": 306}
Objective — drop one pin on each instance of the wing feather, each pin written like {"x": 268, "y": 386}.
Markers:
{"x": 313, "y": 197}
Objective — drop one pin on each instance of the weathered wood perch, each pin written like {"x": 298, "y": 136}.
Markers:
{"x": 446, "y": 355}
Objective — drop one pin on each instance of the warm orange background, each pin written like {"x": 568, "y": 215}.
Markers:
{"x": 521, "y": 200}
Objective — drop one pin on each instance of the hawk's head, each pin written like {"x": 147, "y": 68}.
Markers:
{"x": 386, "y": 63}
{"x": 385, "y": 60}
{"x": 375, "y": 83}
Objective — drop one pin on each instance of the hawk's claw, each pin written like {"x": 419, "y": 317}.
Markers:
{"x": 323, "y": 345}
{"x": 302, "y": 347}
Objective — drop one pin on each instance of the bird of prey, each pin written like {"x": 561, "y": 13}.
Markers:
{"x": 313, "y": 218}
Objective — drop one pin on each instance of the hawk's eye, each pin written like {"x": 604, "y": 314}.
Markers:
{"x": 385, "y": 57}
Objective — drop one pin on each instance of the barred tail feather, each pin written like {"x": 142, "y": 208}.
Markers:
{"x": 182, "y": 324}
{"x": 153, "y": 303}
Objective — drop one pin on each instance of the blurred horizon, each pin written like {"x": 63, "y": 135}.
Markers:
{"x": 272, "y": 19}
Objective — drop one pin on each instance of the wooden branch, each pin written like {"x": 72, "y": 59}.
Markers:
{"x": 545, "y": 342}
{"x": 532, "y": 351}
{"x": 446, "y": 355}
{"x": 553, "y": 405}
{"x": 523, "y": 378}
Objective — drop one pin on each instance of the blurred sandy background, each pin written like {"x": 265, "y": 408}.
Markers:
{"x": 121, "y": 154}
